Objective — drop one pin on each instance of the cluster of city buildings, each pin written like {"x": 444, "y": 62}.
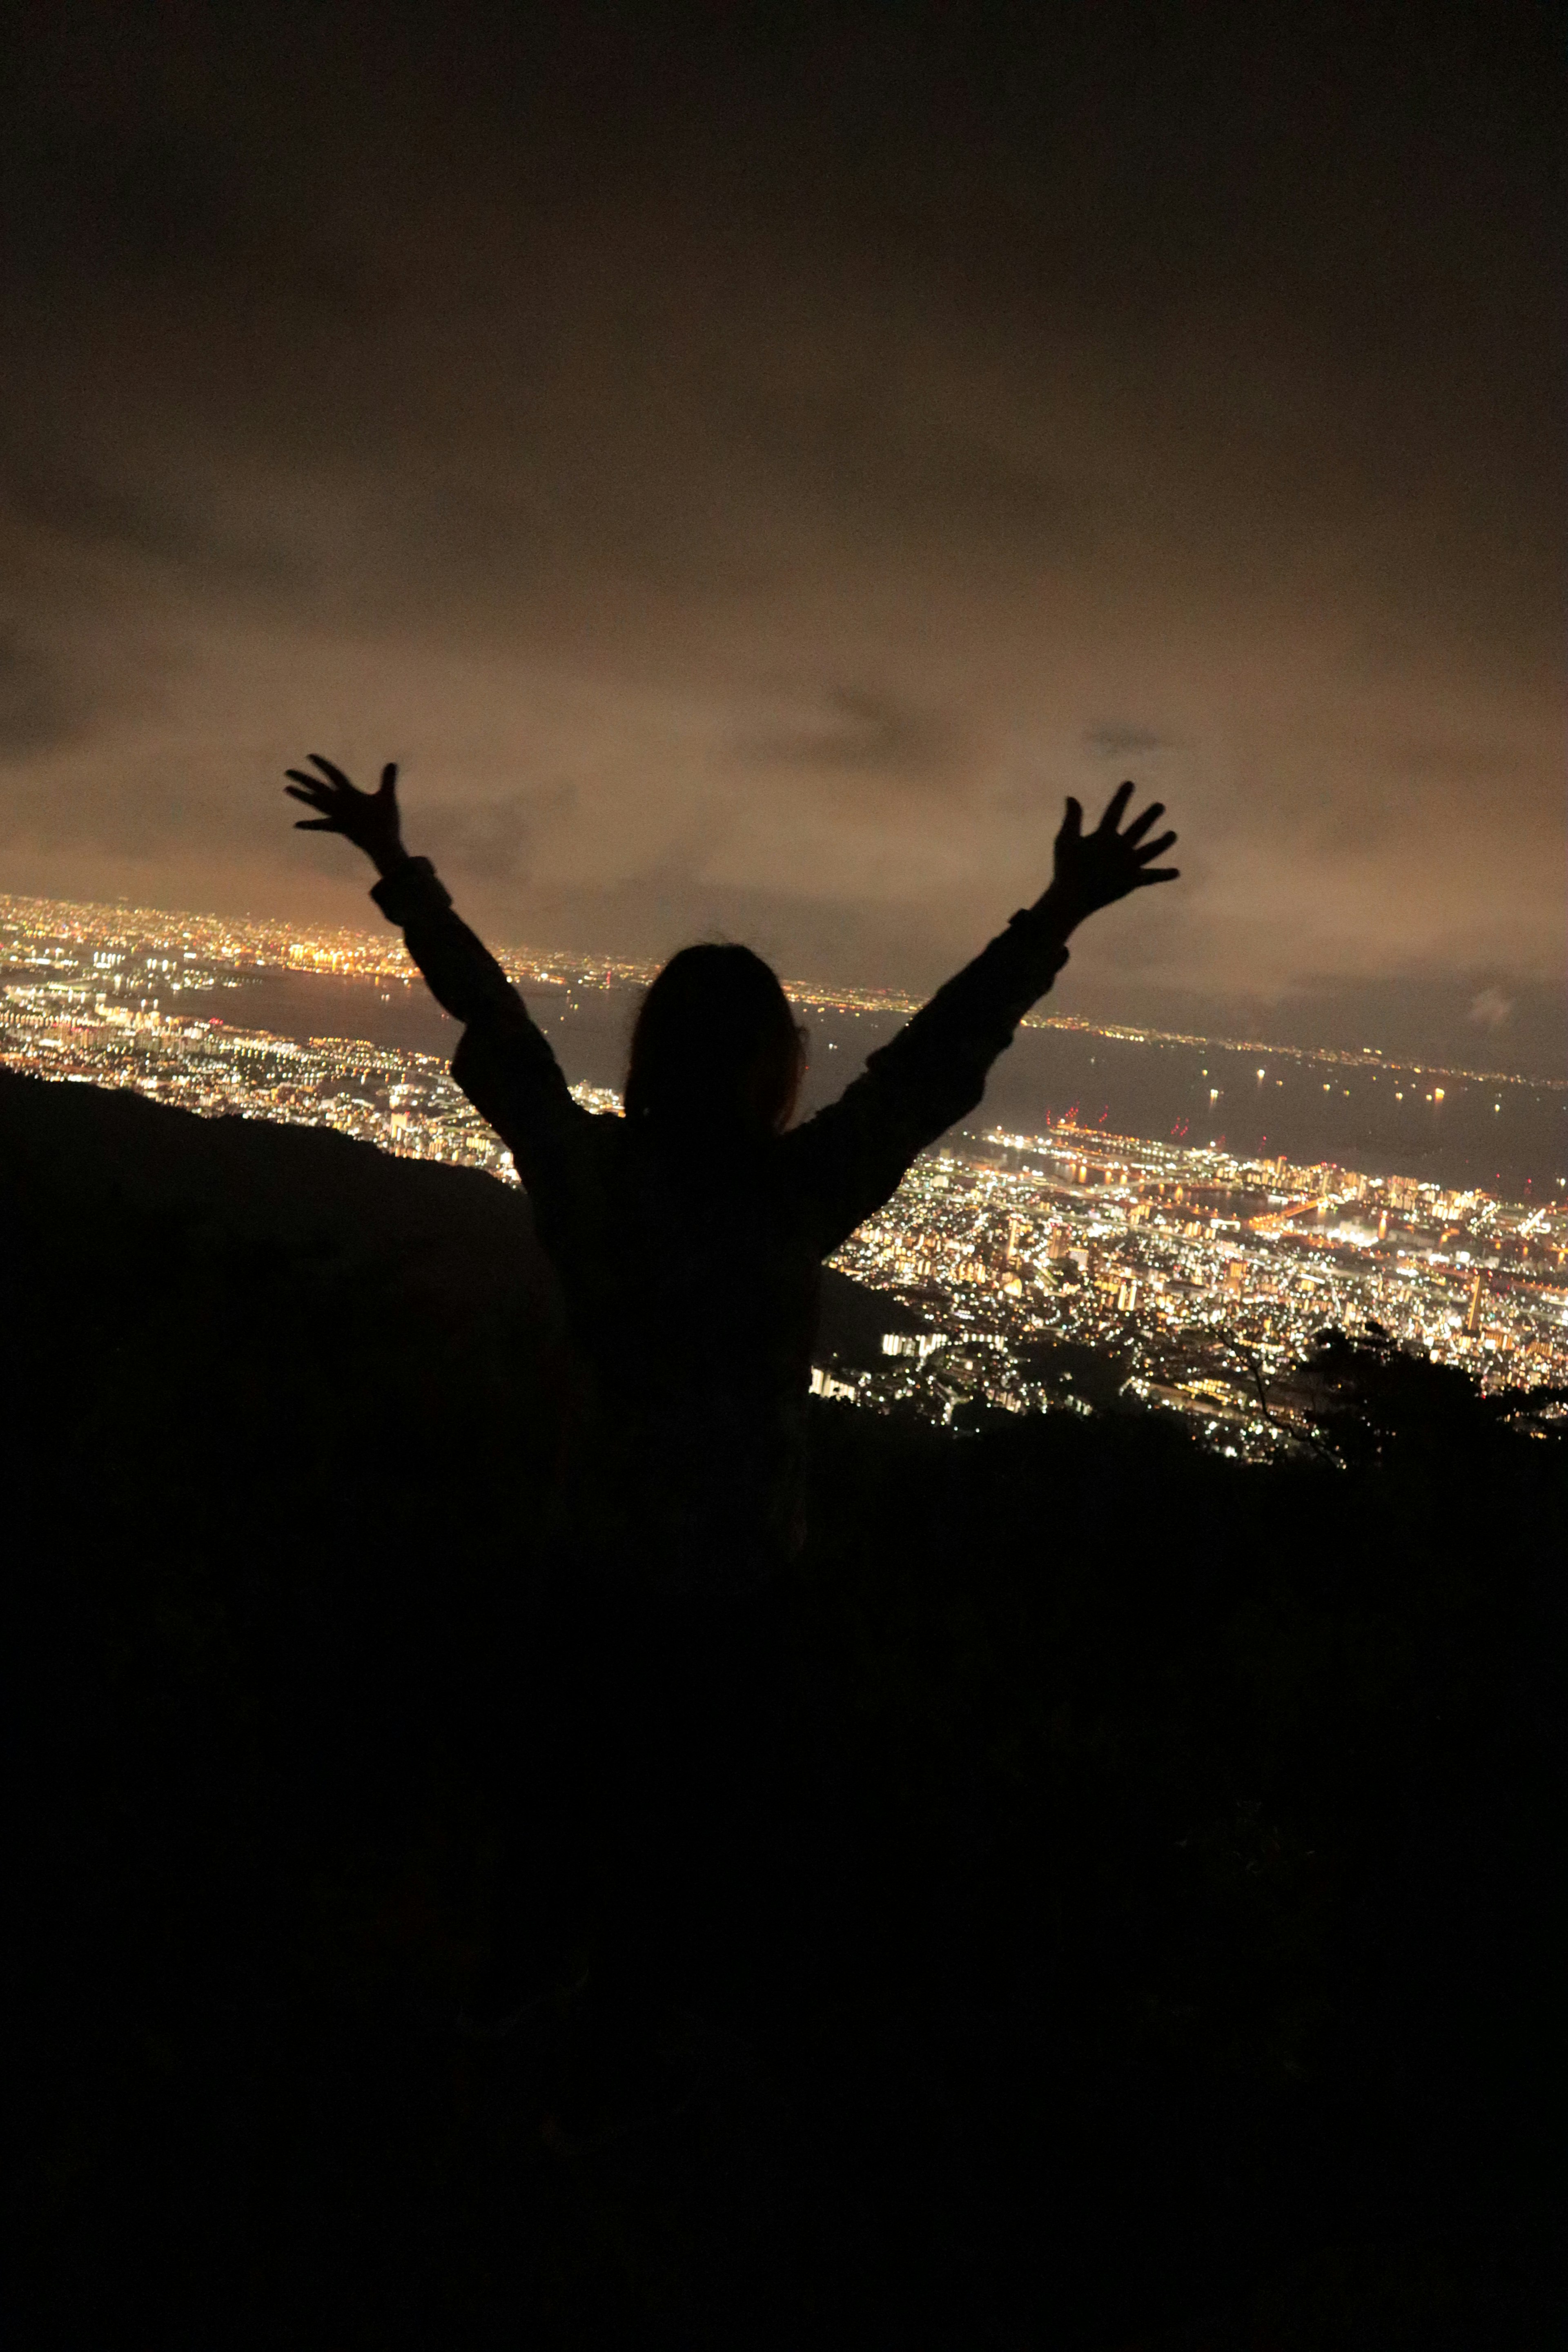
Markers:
{"x": 1075, "y": 1267}
{"x": 1070, "y": 1269}
{"x": 127, "y": 946}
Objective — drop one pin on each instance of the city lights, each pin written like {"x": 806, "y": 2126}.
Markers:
{"x": 1070, "y": 1269}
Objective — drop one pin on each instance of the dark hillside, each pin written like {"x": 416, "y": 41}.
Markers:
{"x": 83, "y": 1168}
{"x": 1168, "y": 1949}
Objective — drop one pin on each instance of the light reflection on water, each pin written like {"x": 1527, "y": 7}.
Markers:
{"x": 1510, "y": 1138}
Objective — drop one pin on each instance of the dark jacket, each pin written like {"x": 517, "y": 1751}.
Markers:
{"x": 689, "y": 1265}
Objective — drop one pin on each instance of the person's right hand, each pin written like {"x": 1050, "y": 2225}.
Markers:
{"x": 370, "y": 820}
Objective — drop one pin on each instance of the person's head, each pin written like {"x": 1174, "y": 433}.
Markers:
{"x": 715, "y": 1046}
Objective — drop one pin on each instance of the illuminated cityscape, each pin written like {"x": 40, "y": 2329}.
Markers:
{"x": 1069, "y": 1269}
{"x": 1078, "y": 1268}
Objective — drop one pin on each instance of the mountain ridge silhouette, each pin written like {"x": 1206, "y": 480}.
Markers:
{"x": 449, "y": 1236}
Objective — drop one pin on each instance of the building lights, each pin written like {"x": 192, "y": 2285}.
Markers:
{"x": 1157, "y": 1254}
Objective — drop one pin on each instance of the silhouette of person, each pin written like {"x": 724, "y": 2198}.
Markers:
{"x": 687, "y": 1235}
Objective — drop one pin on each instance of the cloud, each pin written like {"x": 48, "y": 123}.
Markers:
{"x": 178, "y": 523}
{"x": 1491, "y": 1008}
{"x": 853, "y": 729}
{"x": 38, "y": 708}
{"x": 491, "y": 839}
{"x": 868, "y": 434}
{"x": 761, "y": 509}
{"x": 1124, "y": 742}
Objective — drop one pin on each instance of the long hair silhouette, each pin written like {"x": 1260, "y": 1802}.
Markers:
{"x": 715, "y": 1046}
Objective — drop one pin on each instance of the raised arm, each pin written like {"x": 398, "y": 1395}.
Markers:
{"x": 852, "y": 1156}
{"x": 504, "y": 1063}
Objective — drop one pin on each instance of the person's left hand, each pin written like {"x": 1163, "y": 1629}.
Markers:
{"x": 1094, "y": 869}
{"x": 370, "y": 820}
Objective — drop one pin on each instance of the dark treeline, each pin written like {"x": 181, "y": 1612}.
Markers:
{"x": 1163, "y": 1888}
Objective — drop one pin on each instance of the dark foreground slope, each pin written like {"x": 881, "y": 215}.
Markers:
{"x": 1168, "y": 1946}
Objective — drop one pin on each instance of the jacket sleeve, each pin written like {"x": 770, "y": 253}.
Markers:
{"x": 852, "y": 1157}
{"x": 503, "y": 1063}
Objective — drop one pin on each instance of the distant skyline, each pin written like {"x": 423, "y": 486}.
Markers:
{"x": 747, "y": 469}
{"x": 351, "y": 952}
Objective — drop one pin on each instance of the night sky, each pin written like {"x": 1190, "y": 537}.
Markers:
{"x": 748, "y": 464}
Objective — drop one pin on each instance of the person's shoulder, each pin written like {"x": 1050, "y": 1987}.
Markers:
{"x": 797, "y": 1155}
